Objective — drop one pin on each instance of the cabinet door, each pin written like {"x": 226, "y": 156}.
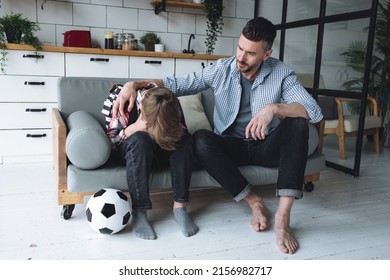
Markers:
{"x": 28, "y": 89}
{"x": 185, "y": 66}
{"x": 151, "y": 67}
{"x": 26, "y": 142}
{"x": 26, "y": 115}
{"x": 35, "y": 63}
{"x": 90, "y": 65}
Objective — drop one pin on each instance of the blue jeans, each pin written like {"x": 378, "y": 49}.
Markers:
{"x": 286, "y": 146}
{"x": 141, "y": 154}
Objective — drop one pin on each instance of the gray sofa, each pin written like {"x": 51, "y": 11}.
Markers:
{"x": 82, "y": 160}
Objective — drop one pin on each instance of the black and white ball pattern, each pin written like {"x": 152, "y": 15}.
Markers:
{"x": 108, "y": 211}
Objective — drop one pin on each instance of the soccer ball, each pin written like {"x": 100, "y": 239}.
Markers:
{"x": 108, "y": 211}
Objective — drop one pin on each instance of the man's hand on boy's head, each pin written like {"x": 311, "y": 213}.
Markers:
{"x": 127, "y": 94}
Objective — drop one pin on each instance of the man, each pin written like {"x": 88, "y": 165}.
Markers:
{"x": 252, "y": 124}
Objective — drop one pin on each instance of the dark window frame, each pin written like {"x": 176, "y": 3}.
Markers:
{"x": 320, "y": 21}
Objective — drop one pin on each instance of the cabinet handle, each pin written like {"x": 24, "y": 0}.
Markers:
{"x": 35, "y": 110}
{"x": 37, "y": 56}
{"x": 153, "y": 61}
{"x": 99, "y": 59}
{"x": 36, "y": 135}
{"x": 203, "y": 66}
{"x": 34, "y": 83}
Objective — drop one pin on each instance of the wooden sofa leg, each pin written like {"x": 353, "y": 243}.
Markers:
{"x": 308, "y": 184}
{"x": 341, "y": 146}
{"x": 67, "y": 211}
{"x": 376, "y": 141}
{"x": 68, "y": 200}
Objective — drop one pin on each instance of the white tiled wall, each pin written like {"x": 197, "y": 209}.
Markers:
{"x": 135, "y": 16}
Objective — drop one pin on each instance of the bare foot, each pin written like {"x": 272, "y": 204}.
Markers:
{"x": 260, "y": 212}
{"x": 284, "y": 238}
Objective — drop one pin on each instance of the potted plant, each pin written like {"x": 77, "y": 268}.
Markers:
{"x": 213, "y": 10}
{"x": 14, "y": 28}
{"x": 149, "y": 39}
{"x": 379, "y": 85}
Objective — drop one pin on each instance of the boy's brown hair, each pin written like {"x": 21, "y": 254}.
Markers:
{"x": 161, "y": 111}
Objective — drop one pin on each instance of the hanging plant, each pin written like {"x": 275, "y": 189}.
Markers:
{"x": 213, "y": 10}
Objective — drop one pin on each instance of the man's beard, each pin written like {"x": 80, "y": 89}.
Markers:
{"x": 246, "y": 68}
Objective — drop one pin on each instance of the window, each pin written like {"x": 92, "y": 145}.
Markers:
{"x": 312, "y": 37}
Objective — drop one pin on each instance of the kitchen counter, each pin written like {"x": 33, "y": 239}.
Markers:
{"x": 47, "y": 48}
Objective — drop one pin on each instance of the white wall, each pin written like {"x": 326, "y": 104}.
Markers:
{"x": 176, "y": 24}
{"x": 134, "y": 16}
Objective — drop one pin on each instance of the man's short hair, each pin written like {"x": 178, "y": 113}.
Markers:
{"x": 260, "y": 29}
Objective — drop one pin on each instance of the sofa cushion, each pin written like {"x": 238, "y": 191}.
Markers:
{"x": 84, "y": 94}
{"x": 194, "y": 112}
{"x": 87, "y": 145}
{"x": 114, "y": 176}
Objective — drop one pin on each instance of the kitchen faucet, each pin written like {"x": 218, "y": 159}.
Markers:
{"x": 192, "y": 36}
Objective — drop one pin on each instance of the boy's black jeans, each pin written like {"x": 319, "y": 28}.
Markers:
{"x": 140, "y": 154}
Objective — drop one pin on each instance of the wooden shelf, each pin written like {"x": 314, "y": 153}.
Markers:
{"x": 47, "y": 48}
{"x": 160, "y": 5}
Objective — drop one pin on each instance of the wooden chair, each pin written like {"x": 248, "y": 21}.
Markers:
{"x": 346, "y": 125}
{"x": 339, "y": 121}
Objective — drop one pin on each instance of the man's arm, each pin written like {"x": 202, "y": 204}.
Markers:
{"x": 292, "y": 110}
{"x": 259, "y": 123}
{"x": 293, "y": 93}
{"x": 129, "y": 93}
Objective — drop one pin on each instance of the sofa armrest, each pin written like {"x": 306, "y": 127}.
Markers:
{"x": 59, "y": 151}
{"x": 320, "y": 126}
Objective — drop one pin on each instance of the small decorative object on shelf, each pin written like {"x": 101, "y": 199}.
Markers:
{"x": 159, "y": 47}
{"x": 109, "y": 40}
{"x": 126, "y": 43}
{"x": 118, "y": 38}
{"x": 18, "y": 30}
{"x": 149, "y": 39}
{"x": 14, "y": 28}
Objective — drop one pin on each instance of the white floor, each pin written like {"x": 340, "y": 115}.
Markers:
{"x": 343, "y": 218}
